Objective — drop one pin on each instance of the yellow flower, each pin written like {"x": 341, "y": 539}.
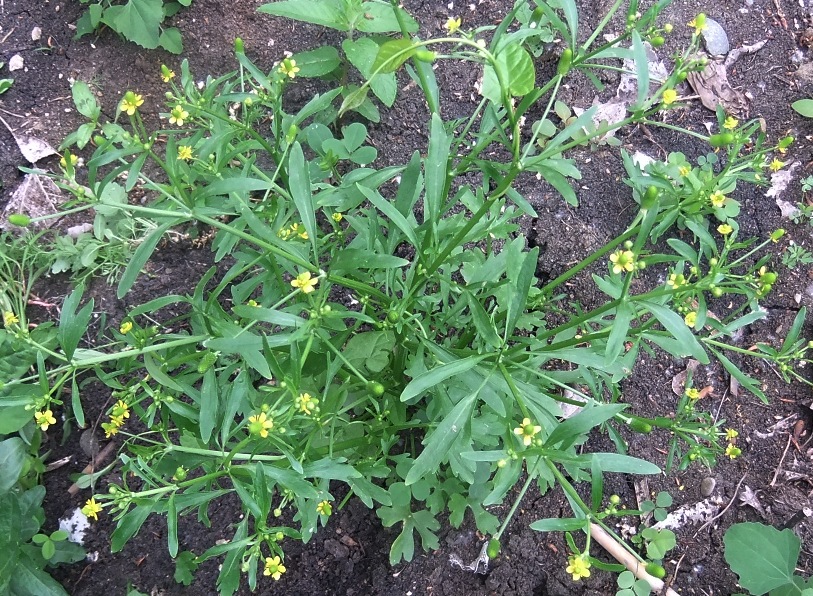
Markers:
{"x": 130, "y": 103}
{"x": 74, "y": 159}
{"x": 733, "y": 451}
{"x": 730, "y": 433}
{"x": 260, "y": 424}
{"x": 717, "y": 199}
{"x": 324, "y": 508}
{"x": 92, "y": 509}
{"x": 110, "y": 428}
{"x": 126, "y": 327}
{"x": 699, "y": 23}
{"x": 669, "y": 97}
{"x": 44, "y": 419}
{"x": 337, "y": 217}
{"x": 9, "y": 319}
{"x": 453, "y": 24}
{"x": 178, "y": 115}
{"x": 684, "y": 170}
{"x": 692, "y": 393}
{"x": 578, "y": 566}
{"x": 676, "y": 280}
{"x": 274, "y": 567}
{"x": 297, "y": 229}
{"x": 725, "y": 229}
{"x": 776, "y": 165}
{"x": 184, "y": 152}
{"x": 691, "y": 319}
{"x": 117, "y": 420}
{"x": 730, "y": 123}
{"x": 306, "y": 403}
{"x": 166, "y": 74}
{"x": 289, "y": 68}
{"x": 527, "y": 431}
{"x": 121, "y": 410}
{"x": 622, "y": 260}
{"x": 305, "y": 282}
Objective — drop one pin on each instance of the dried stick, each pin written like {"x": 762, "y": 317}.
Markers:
{"x": 100, "y": 457}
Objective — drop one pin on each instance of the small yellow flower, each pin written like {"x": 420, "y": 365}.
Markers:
{"x": 717, "y": 199}
{"x": 691, "y": 319}
{"x": 289, "y": 68}
{"x": 776, "y": 165}
{"x": 44, "y": 419}
{"x": 669, "y": 97}
{"x": 527, "y": 431}
{"x": 725, "y": 229}
{"x": 274, "y": 567}
{"x": 92, "y": 509}
{"x": 733, "y": 451}
{"x": 730, "y": 123}
{"x": 699, "y": 23}
{"x": 74, "y": 159}
{"x": 178, "y": 115}
{"x": 130, "y": 103}
{"x": 121, "y": 410}
{"x": 622, "y": 260}
{"x": 297, "y": 229}
{"x": 676, "y": 280}
{"x": 184, "y": 152}
{"x": 337, "y": 217}
{"x": 578, "y": 566}
{"x": 324, "y": 508}
{"x": 305, "y": 282}
{"x": 260, "y": 424}
{"x": 692, "y": 393}
{"x": 166, "y": 74}
{"x": 252, "y": 302}
{"x": 730, "y": 433}
{"x": 684, "y": 170}
{"x": 453, "y": 24}
{"x": 9, "y": 319}
{"x": 306, "y": 403}
{"x": 126, "y": 327}
{"x": 110, "y": 428}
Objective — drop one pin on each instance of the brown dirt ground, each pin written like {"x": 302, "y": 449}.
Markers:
{"x": 39, "y": 101}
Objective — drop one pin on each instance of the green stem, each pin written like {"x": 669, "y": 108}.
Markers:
{"x": 518, "y": 500}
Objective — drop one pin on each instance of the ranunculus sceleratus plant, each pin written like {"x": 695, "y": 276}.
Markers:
{"x": 380, "y": 333}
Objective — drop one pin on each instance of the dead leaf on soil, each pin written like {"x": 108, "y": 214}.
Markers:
{"x": 36, "y": 196}
{"x": 32, "y": 148}
{"x": 749, "y": 497}
{"x": 679, "y": 380}
{"x": 713, "y": 88}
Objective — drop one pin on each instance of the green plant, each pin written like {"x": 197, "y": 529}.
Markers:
{"x": 383, "y": 328}
{"x": 795, "y": 255}
{"x": 803, "y": 107}
{"x": 764, "y": 559}
{"x": 630, "y": 586}
{"x": 138, "y": 21}
{"x": 5, "y": 84}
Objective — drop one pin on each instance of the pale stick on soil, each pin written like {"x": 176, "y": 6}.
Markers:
{"x": 629, "y": 561}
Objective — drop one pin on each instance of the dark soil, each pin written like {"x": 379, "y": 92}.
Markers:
{"x": 350, "y": 556}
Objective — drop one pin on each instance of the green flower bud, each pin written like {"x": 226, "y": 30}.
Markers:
{"x": 493, "y": 550}
{"x": 19, "y": 219}
{"x": 238, "y": 46}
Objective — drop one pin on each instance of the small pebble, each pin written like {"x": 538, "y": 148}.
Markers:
{"x": 15, "y": 63}
{"x": 89, "y": 443}
{"x": 707, "y": 486}
{"x": 715, "y": 37}
{"x": 36, "y": 34}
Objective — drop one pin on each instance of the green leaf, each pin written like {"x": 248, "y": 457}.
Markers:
{"x": 588, "y": 418}
{"x": 763, "y": 557}
{"x": 420, "y": 385}
{"x": 520, "y": 285}
{"x": 129, "y": 524}
{"x": 318, "y": 62}
{"x": 641, "y": 71}
{"x": 435, "y": 168}
{"x": 185, "y": 567}
{"x": 624, "y": 464}
{"x": 393, "y": 54}
{"x": 803, "y": 107}
{"x": 744, "y": 380}
{"x": 73, "y": 324}
{"x": 370, "y": 350}
{"x": 300, "y": 186}
{"x": 5, "y": 85}
{"x": 353, "y": 259}
{"x": 172, "y": 526}
{"x": 391, "y": 212}
{"x": 554, "y": 524}
{"x": 327, "y": 13}
{"x": 138, "y": 21}
{"x": 140, "y": 257}
{"x": 362, "y": 53}
{"x": 13, "y": 418}
{"x": 208, "y": 405}
{"x": 515, "y": 67}
{"x": 170, "y": 40}
{"x": 29, "y": 580}
{"x": 379, "y": 17}
{"x": 84, "y": 100}
{"x": 10, "y": 533}
{"x": 675, "y": 325}
{"x": 618, "y": 332}
{"x": 438, "y": 442}
{"x": 353, "y": 100}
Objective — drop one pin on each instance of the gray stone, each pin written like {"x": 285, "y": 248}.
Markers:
{"x": 715, "y": 38}
{"x": 707, "y": 486}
